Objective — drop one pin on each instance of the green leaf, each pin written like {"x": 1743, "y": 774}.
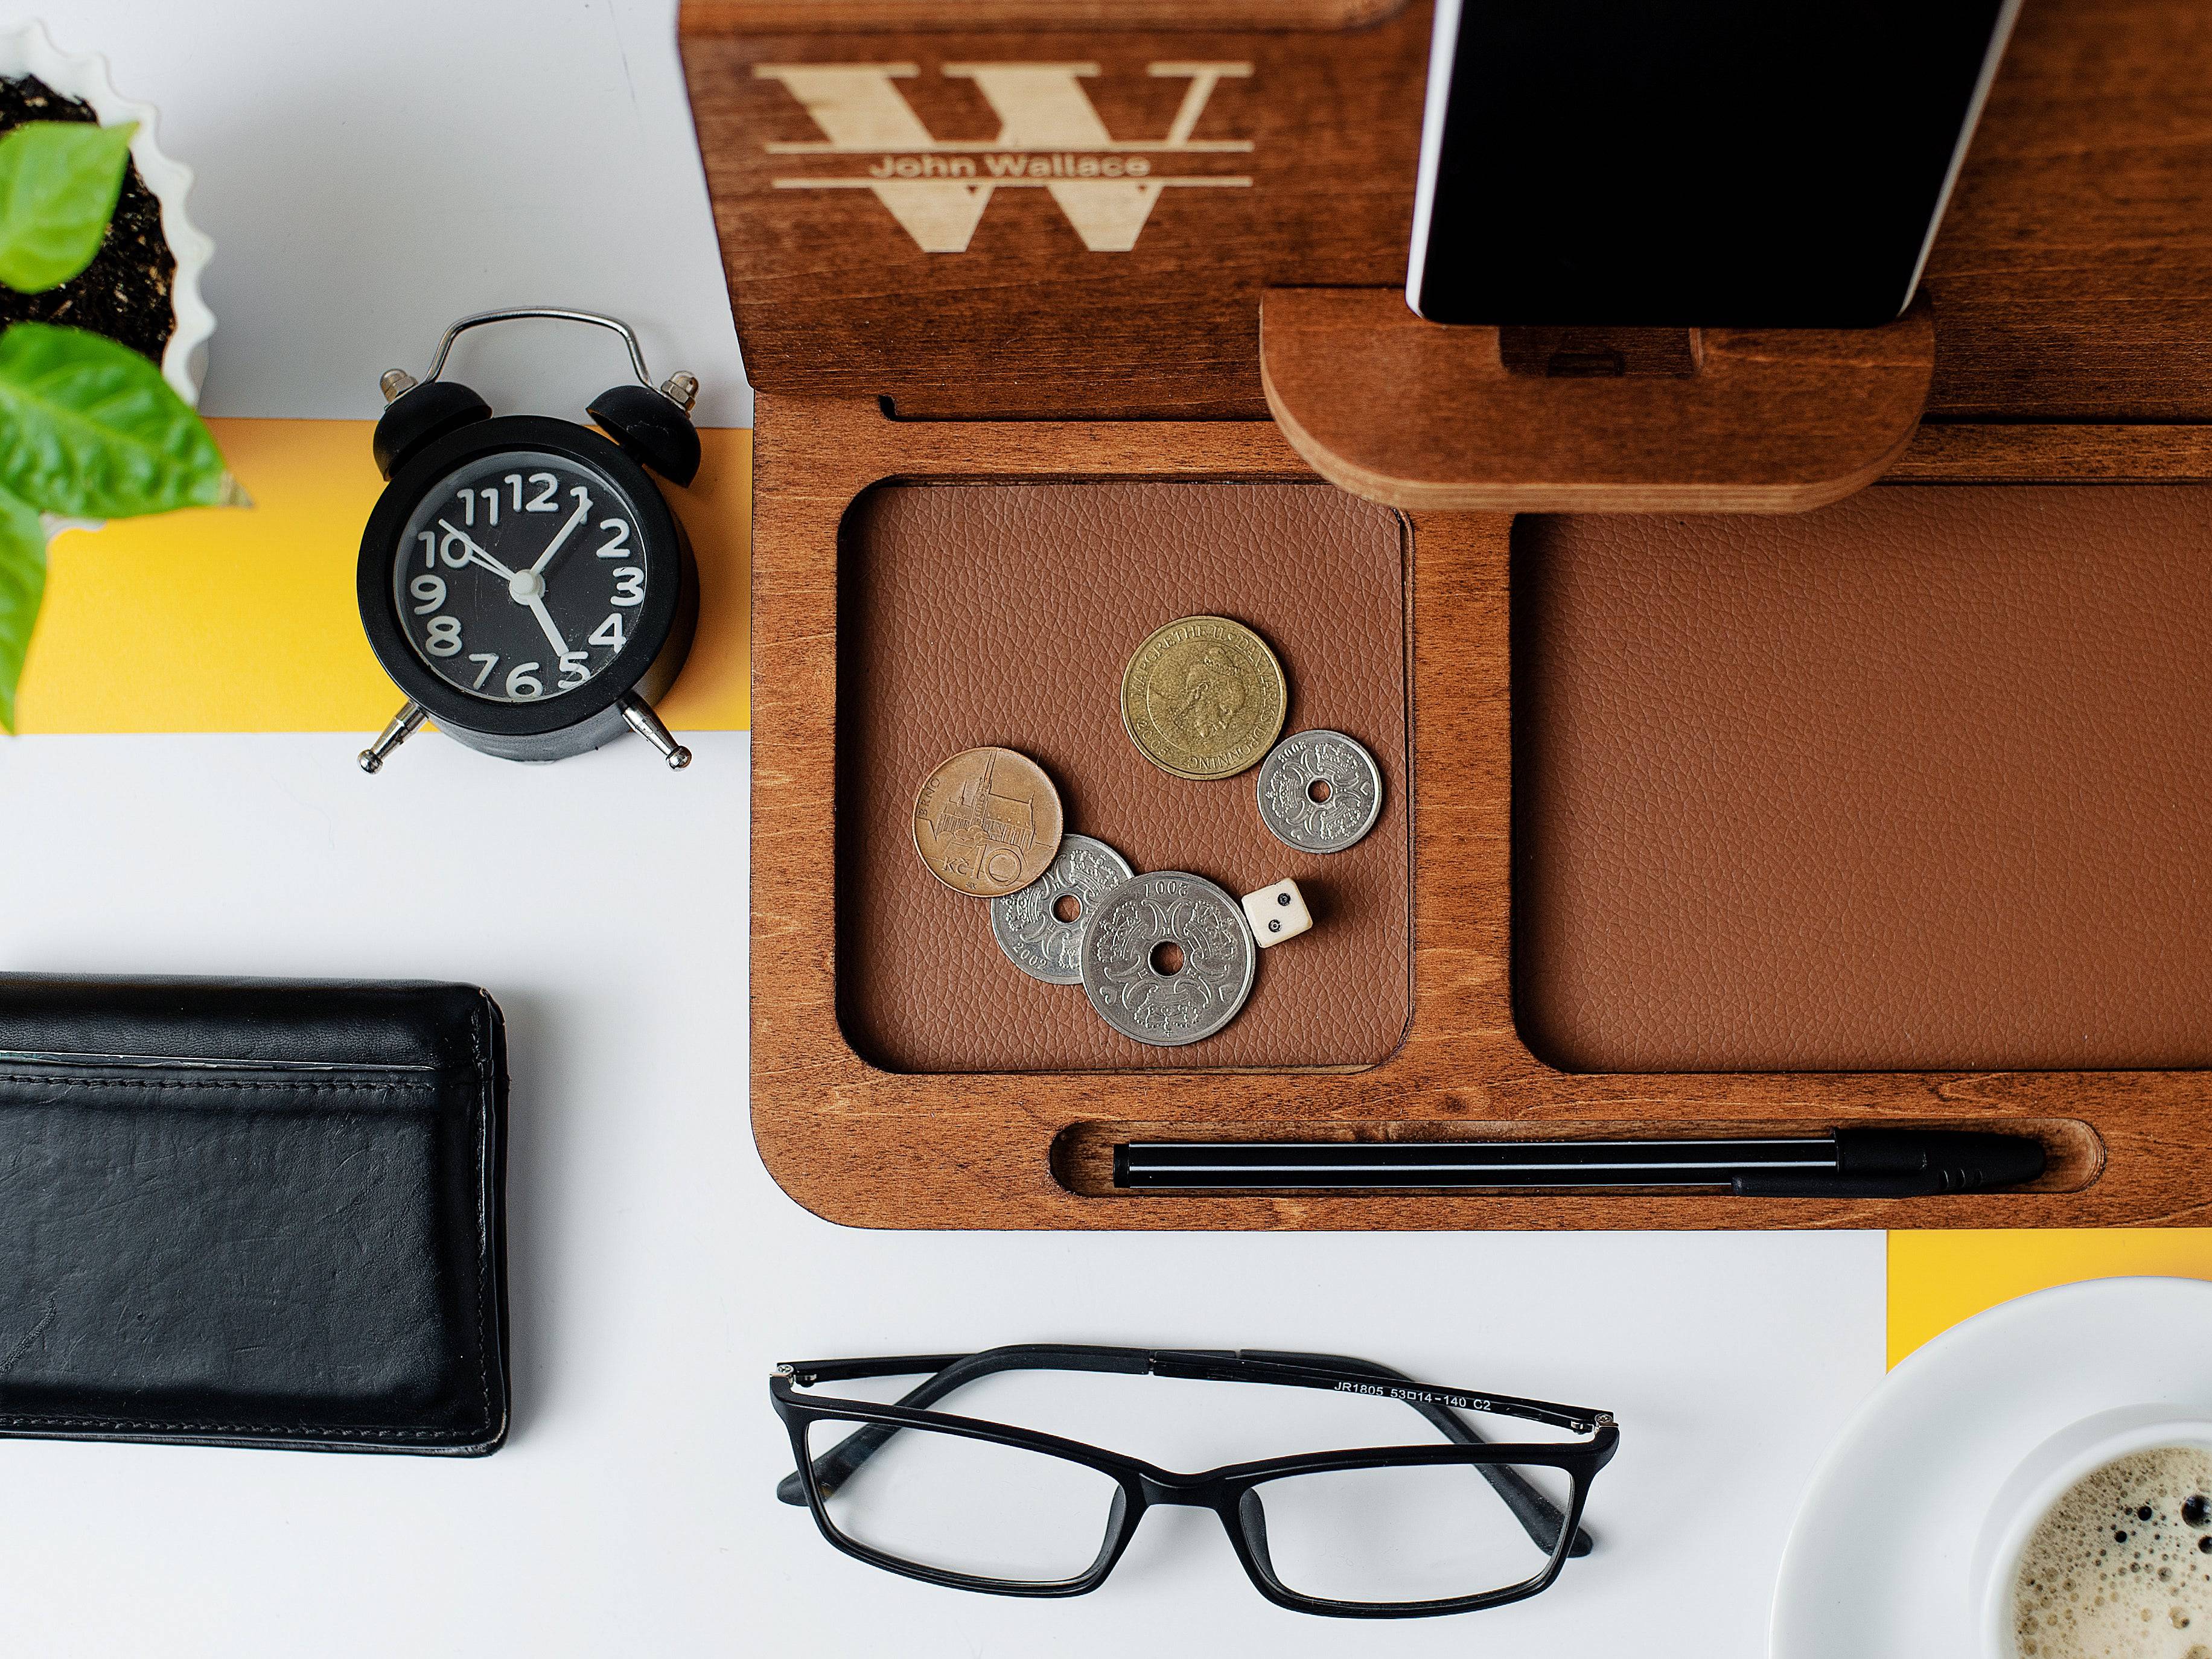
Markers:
{"x": 90, "y": 428}
{"x": 59, "y": 185}
{"x": 22, "y": 585}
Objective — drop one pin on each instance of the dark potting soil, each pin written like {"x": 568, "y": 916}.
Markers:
{"x": 124, "y": 292}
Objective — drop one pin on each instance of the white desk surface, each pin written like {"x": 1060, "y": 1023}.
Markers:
{"x": 368, "y": 173}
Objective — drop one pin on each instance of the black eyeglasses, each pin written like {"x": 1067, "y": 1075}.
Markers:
{"x": 1394, "y": 1532}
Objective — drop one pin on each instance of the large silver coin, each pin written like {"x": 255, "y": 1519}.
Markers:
{"x": 1319, "y": 791}
{"x": 1168, "y": 958}
{"x": 1040, "y": 928}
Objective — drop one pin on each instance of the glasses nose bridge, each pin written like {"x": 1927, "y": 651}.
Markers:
{"x": 1195, "y": 1491}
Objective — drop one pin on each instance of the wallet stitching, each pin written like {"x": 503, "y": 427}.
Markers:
{"x": 315, "y": 1431}
{"x": 211, "y": 1083}
{"x": 81, "y": 1058}
{"x": 485, "y": 1103}
{"x": 477, "y": 1030}
{"x": 271, "y": 1431}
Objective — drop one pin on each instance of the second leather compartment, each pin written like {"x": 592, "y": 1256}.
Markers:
{"x": 1916, "y": 782}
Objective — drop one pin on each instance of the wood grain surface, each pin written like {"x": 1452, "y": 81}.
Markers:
{"x": 2071, "y": 280}
{"x": 767, "y": 16}
{"x": 2071, "y": 290}
{"x": 869, "y": 1147}
{"x": 1297, "y": 166}
{"x": 1417, "y": 413}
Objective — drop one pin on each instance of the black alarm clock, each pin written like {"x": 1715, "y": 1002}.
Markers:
{"x": 522, "y": 580}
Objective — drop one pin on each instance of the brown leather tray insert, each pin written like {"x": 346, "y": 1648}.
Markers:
{"x": 1919, "y": 781}
{"x": 973, "y": 614}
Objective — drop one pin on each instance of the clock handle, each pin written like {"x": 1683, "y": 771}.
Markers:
{"x": 548, "y": 313}
{"x": 403, "y": 726}
{"x": 646, "y": 724}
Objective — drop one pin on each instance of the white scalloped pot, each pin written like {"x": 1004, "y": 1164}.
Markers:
{"x": 28, "y": 50}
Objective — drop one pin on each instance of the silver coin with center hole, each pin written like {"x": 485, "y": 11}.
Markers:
{"x": 1168, "y": 958}
{"x": 1029, "y": 927}
{"x": 1320, "y": 792}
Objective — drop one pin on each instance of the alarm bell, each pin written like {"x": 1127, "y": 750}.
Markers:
{"x": 421, "y": 414}
{"x": 652, "y": 427}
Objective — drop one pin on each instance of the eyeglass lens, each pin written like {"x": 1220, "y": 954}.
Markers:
{"x": 1416, "y": 1532}
{"x": 971, "y": 1507}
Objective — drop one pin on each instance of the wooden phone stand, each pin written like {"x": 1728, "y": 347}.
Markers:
{"x": 1553, "y": 419}
{"x": 936, "y": 277}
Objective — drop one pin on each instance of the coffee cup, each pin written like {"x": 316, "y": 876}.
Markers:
{"x": 2148, "y": 1557}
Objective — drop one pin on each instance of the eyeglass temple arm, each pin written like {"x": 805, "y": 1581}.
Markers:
{"x": 1342, "y": 1371}
{"x": 1540, "y": 1517}
{"x": 834, "y": 1467}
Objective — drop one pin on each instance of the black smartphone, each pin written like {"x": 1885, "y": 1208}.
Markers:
{"x": 1752, "y": 163}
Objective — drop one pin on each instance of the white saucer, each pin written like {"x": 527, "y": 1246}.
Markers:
{"x": 1877, "y": 1563}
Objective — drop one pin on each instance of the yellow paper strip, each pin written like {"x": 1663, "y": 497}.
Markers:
{"x": 1938, "y": 1279}
{"x": 244, "y": 620}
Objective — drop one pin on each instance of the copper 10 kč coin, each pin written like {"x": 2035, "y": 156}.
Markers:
{"x": 987, "y": 822}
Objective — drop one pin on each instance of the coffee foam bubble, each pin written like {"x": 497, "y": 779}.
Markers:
{"x": 2121, "y": 1566}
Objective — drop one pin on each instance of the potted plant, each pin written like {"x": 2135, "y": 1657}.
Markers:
{"x": 103, "y": 318}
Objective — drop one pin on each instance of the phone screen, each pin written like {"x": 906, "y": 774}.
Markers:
{"x": 1725, "y": 162}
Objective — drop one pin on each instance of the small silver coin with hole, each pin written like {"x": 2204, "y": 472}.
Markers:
{"x": 1040, "y": 928}
{"x": 1168, "y": 958}
{"x": 1320, "y": 792}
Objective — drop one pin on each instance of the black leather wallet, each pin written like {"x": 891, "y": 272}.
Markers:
{"x": 255, "y": 1213}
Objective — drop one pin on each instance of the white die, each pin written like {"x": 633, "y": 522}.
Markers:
{"x": 1278, "y": 912}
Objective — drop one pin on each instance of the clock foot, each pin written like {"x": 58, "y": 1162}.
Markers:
{"x": 404, "y": 726}
{"x": 646, "y": 724}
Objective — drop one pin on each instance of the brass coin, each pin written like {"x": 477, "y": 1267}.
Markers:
{"x": 1203, "y": 697}
{"x": 987, "y": 822}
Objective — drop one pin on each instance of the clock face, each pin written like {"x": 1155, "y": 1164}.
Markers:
{"x": 520, "y": 576}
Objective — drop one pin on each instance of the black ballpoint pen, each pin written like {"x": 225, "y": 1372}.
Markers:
{"x": 1844, "y": 1163}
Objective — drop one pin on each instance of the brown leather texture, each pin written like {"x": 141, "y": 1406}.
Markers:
{"x": 977, "y": 614}
{"x": 1919, "y": 781}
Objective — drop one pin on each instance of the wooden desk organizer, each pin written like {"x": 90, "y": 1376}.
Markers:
{"x": 937, "y": 276}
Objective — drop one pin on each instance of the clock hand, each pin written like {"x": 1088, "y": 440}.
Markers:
{"x": 545, "y": 621}
{"x": 524, "y": 587}
{"x": 560, "y": 536}
{"x": 476, "y": 555}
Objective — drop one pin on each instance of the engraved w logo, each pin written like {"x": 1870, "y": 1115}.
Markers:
{"x": 1050, "y": 138}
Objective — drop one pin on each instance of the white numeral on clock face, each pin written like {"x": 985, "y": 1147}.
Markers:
{"x": 459, "y": 607}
